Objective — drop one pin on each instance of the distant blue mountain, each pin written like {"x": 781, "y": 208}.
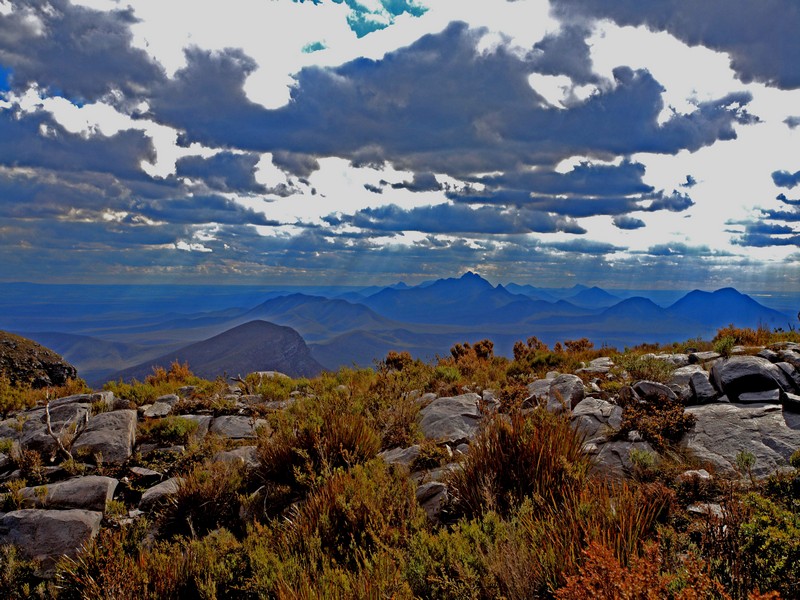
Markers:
{"x": 726, "y": 306}
{"x": 593, "y": 297}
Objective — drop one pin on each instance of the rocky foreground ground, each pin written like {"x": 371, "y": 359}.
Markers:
{"x": 746, "y": 405}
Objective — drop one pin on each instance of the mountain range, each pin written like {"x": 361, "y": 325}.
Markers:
{"x": 345, "y": 327}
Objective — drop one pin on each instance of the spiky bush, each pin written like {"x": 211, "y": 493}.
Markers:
{"x": 355, "y": 513}
{"x": 207, "y": 498}
{"x": 515, "y": 457}
{"x": 167, "y": 431}
{"x": 299, "y": 452}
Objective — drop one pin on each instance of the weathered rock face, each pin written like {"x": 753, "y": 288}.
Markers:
{"x": 46, "y": 535}
{"x": 702, "y": 390}
{"x": 235, "y": 427}
{"x": 565, "y": 392}
{"x": 112, "y": 434}
{"x": 87, "y": 493}
{"x": 24, "y": 361}
{"x": 723, "y": 430}
{"x": 451, "y": 419}
{"x": 746, "y": 374}
{"x": 596, "y": 418}
{"x": 652, "y": 391}
{"x": 158, "y": 493}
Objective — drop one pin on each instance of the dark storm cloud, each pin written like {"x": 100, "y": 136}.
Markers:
{"x": 81, "y": 53}
{"x": 786, "y": 179}
{"x": 301, "y": 165}
{"x": 565, "y": 53}
{"x": 584, "y": 178}
{"x": 584, "y": 247}
{"x": 435, "y": 106}
{"x": 447, "y": 218}
{"x": 422, "y": 182}
{"x": 199, "y": 209}
{"x": 223, "y": 172}
{"x": 626, "y": 222}
{"x": 760, "y": 37}
{"x": 674, "y": 202}
{"x": 36, "y": 140}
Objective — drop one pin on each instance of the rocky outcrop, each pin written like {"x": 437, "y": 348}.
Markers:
{"x": 87, "y": 493}
{"x": 23, "y": 361}
{"x": 746, "y": 374}
{"x": 111, "y": 435}
{"x": 723, "y": 430}
{"x": 47, "y": 535}
{"x": 451, "y": 419}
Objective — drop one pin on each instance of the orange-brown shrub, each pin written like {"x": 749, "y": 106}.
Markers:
{"x": 514, "y": 457}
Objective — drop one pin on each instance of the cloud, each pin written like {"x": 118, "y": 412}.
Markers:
{"x": 690, "y": 182}
{"x": 681, "y": 249}
{"x": 584, "y": 247}
{"x": 626, "y": 222}
{"x": 675, "y": 202}
{"x": 786, "y": 179}
{"x": 301, "y": 165}
{"x": 449, "y": 218}
{"x": 437, "y": 105}
{"x": 223, "y": 172}
{"x": 422, "y": 182}
{"x": 77, "y": 52}
{"x": 36, "y": 140}
{"x": 565, "y": 53}
{"x": 792, "y": 122}
{"x": 732, "y": 26}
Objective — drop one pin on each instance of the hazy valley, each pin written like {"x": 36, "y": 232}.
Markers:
{"x": 109, "y": 332}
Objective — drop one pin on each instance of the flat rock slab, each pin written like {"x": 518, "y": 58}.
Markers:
{"x": 723, "y": 430}
{"x": 111, "y": 434}
{"x": 158, "y": 409}
{"x": 244, "y": 455}
{"x": 401, "y": 456}
{"x": 106, "y": 398}
{"x": 235, "y": 427}
{"x": 47, "y": 535}
{"x": 87, "y": 493}
{"x": 156, "y": 494}
{"x": 451, "y": 419}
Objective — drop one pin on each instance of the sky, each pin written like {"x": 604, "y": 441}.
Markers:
{"x": 619, "y": 143}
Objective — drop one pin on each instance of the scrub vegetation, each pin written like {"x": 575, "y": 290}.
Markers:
{"x": 529, "y": 515}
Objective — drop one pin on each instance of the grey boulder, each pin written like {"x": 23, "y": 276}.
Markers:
{"x": 451, "y": 419}
{"x": 47, "y": 535}
{"x": 111, "y": 434}
{"x": 566, "y": 391}
{"x": 87, "y": 493}
{"x": 723, "y": 430}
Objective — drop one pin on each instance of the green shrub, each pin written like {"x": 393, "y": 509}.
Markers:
{"x": 539, "y": 454}
{"x": 355, "y": 513}
{"x": 209, "y": 497}
{"x": 13, "y": 397}
{"x": 168, "y": 431}
{"x": 299, "y": 452}
{"x": 644, "y": 368}
{"x": 724, "y": 345}
{"x": 18, "y": 580}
